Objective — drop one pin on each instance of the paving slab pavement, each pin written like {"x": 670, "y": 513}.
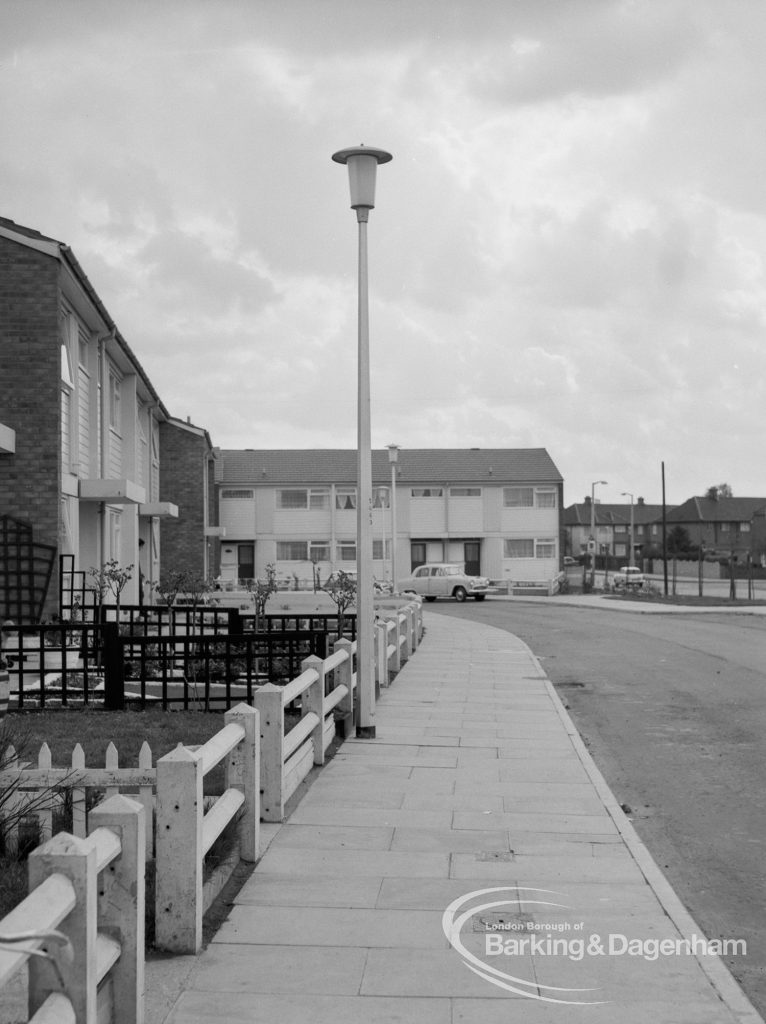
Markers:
{"x": 467, "y": 865}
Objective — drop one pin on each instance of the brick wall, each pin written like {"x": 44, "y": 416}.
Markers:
{"x": 30, "y": 374}
{"x": 182, "y": 473}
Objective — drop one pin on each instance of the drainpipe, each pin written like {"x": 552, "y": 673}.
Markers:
{"x": 102, "y": 340}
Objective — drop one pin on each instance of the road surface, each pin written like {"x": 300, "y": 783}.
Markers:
{"x": 673, "y": 710}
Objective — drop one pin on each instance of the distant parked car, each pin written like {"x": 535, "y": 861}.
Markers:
{"x": 444, "y": 579}
{"x": 569, "y": 561}
{"x": 629, "y": 576}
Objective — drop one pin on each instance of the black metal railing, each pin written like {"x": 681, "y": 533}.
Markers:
{"x": 138, "y": 662}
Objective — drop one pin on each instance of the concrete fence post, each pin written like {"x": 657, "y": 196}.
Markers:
{"x": 408, "y": 648}
{"x": 75, "y": 859}
{"x": 401, "y": 636}
{"x": 243, "y": 771}
{"x": 394, "y": 618}
{"x": 313, "y": 700}
{"x": 178, "y": 907}
{"x": 381, "y": 654}
{"x": 121, "y": 902}
{"x": 343, "y": 675}
{"x": 271, "y": 711}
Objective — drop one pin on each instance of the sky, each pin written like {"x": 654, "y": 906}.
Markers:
{"x": 567, "y": 249}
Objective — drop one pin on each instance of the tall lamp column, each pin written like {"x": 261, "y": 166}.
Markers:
{"x": 393, "y": 458}
{"x": 631, "y": 559}
{"x": 362, "y": 166}
{"x": 593, "y": 487}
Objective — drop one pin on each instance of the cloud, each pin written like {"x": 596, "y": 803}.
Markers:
{"x": 566, "y": 250}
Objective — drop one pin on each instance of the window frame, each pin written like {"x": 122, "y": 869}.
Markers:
{"x": 281, "y": 557}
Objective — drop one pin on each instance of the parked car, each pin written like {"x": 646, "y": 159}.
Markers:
{"x": 444, "y": 579}
{"x": 569, "y": 562}
{"x": 629, "y": 576}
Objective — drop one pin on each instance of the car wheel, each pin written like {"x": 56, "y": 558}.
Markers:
{"x": 479, "y": 597}
{"x": 460, "y": 594}
{"x": 431, "y": 598}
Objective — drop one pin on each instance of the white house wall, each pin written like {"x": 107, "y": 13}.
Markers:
{"x": 443, "y": 523}
{"x": 466, "y": 515}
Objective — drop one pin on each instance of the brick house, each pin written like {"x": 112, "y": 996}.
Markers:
{"x": 190, "y": 542}
{"x": 80, "y": 442}
{"x": 498, "y": 511}
{"x": 612, "y": 522}
{"x": 724, "y": 526}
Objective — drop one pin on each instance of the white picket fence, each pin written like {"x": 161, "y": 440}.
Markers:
{"x": 76, "y": 779}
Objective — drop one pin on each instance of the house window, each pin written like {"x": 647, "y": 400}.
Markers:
{"x": 518, "y": 497}
{"x": 725, "y": 527}
{"x": 380, "y": 497}
{"x": 319, "y": 551}
{"x": 744, "y": 527}
{"x": 519, "y": 547}
{"x": 620, "y": 528}
{"x": 545, "y": 548}
{"x": 234, "y": 493}
{"x": 66, "y": 366}
{"x": 292, "y": 550}
{"x": 114, "y": 402}
{"x": 345, "y": 497}
{"x": 465, "y": 492}
{"x": 115, "y": 534}
{"x": 427, "y": 492}
{"x": 381, "y": 549}
{"x": 545, "y": 498}
{"x": 639, "y": 531}
{"x": 347, "y": 550}
{"x": 311, "y": 498}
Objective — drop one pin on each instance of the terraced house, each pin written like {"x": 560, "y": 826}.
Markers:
{"x": 497, "y": 511}
{"x": 80, "y": 434}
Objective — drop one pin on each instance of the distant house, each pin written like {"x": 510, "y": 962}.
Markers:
{"x": 612, "y": 528}
{"x": 497, "y": 511}
{"x": 724, "y": 526}
{"x": 80, "y": 435}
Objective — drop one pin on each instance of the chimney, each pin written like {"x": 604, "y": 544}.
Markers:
{"x": 640, "y": 501}
{"x": 587, "y": 499}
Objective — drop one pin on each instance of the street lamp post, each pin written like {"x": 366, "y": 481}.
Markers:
{"x": 627, "y": 494}
{"x": 393, "y": 458}
{"x": 362, "y": 166}
{"x": 593, "y": 530}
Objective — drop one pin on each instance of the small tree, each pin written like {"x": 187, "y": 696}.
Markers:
{"x": 195, "y": 587}
{"x": 342, "y": 590}
{"x": 169, "y": 586}
{"x": 112, "y": 577}
{"x": 678, "y": 540}
{"x": 260, "y": 591}
{"x": 17, "y": 805}
{"x": 717, "y": 491}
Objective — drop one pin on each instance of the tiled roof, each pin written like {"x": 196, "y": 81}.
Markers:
{"x": 611, "y": 514}
{"x": 724, "y": 510}
{"x": 19, "y": 229}
{"x": 418, "y": 465}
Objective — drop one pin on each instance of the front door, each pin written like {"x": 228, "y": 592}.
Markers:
{"x": 246, "y": 561}
{"x": 472, "y": 558}
{"x": 417, "y": 554}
